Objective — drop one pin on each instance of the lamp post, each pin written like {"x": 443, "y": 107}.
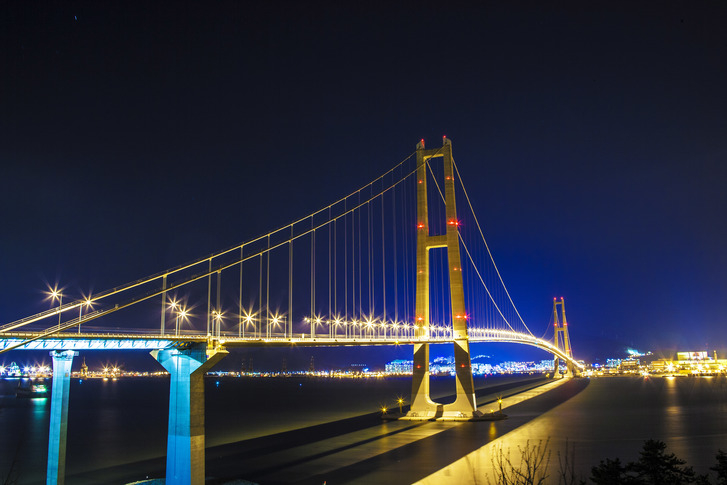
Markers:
{"x": 57, "y": 294}
{"x": 173, "y": 307}
{"x": 218, "y": 322}
{"x": 183, "y": 314}
{"x": 87, "y": 302}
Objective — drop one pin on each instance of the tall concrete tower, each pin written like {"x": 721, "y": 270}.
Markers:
{"x": 422, "y": 406}
{"x": 561, "y": 340}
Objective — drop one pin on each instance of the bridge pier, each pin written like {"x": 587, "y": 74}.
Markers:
{"x": 56, "y": 471}
{"x": 186, "y": 434}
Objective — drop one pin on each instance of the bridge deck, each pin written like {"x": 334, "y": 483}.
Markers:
{"x": 149, "y": 341}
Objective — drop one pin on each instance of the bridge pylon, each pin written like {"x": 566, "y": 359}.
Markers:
{"x": 561, "y": 339}
{"x": 422, "y": 406}
{"x": 186, "y": 432}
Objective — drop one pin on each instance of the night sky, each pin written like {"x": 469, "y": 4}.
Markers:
{"x": 592, "y": 137}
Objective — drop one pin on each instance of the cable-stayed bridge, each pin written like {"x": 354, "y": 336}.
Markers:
{"x": 394, "y": 262}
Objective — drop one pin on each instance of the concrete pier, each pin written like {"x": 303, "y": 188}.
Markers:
{"x": 58, "y": 431}
{"x": 186, "y": 435}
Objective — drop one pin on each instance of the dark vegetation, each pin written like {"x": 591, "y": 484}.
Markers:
{"x": 654, "y": 467}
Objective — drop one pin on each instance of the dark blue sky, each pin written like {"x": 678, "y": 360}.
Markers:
{"x": 592, "y": 137}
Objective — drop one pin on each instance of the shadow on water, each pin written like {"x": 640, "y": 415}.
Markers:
{"x": 275, "y": 420}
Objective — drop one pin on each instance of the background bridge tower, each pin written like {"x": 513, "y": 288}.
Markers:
{"x": 422, "y": 407}
{"x": 561, "y": 340}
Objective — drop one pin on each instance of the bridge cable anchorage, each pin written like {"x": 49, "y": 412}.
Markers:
{"x": 477, "y": 222}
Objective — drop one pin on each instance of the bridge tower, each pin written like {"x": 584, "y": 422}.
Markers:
{"x": 422, "y": 406}
{"x": 561, "y": 340}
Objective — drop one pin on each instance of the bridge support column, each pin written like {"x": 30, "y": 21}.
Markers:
{"x": 422, "y": 407}
{"x": 561, "y": 340}
{"x": 421, "y": 404}
{"x": 186, "y": 434}
{"x": 56, "y": 472}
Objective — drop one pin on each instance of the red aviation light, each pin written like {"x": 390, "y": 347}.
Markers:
{"x": 422, "y": 142}
{"x": 420, "y": 225}
{"x": 420, "y": 181}
{"x": 453, "y": 222}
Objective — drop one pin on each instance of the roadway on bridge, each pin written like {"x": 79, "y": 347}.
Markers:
{"x": 362, "y": 449}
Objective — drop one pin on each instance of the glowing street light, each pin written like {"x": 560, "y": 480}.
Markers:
{"x": 183, "y": 314}
{"x": 217, "y": 320}
{"x": 88, "y": 302}
{"x": 56, "y": 293}
{"x": 248, "y": 318}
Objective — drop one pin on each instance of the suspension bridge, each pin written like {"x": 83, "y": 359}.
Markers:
{"x": 392, "y": 263}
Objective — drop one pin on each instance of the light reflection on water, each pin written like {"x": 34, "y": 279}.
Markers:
{"x": 612, "y": 417}
{"x": 112, "y": 423}
{"x": 125, "y": 421}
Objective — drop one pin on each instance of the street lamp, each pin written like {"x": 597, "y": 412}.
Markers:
{"x": 183, "y": 314}
{"x": 248, "y": 318}
{"x": 57, "y": 294}
{"x": 86, "y": 302}
{"x": 173, "y": 305}
{"x": 217, "y": 315}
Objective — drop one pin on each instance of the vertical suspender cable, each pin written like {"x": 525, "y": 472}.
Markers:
{"x": 360, "y": 266}
{"x": 370, "y": 247}
{"x": 393, "y": 235}
{"x": 329, "y": 266}
{"x": 239, "y": 328}
{"x": 345, "y": 261}
{"x": 312, "y": 278}
{"x": 335, "y": 265}
{"x": 259, "y": 333}
{"x": 290, "y": 285}
{"x": 268, "y": 330}
{"x": 164, "y": 305}
{"x": 383, "y": 258}
{"x": 209, "y": 294}
{"x": 353, "y": 263}
{"x": 219, "y": 307}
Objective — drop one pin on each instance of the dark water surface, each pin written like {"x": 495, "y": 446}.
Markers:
{"x": 613, "y": 417}
{"x": 112, "y": 423}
